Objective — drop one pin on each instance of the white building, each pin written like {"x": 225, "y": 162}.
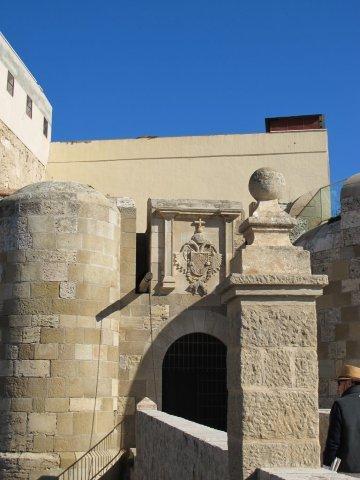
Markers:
{"x": 25, "y": 122}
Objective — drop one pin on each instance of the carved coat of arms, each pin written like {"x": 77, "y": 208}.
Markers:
{"x": 198, "y": 259}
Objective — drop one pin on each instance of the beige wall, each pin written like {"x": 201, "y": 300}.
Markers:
{"x": 13, "y": 108}
{"x": 202, "y": 167}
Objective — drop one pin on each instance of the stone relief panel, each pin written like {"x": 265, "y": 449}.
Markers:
{"x": 191, "y": 244}
{"x": 198, "y": 260}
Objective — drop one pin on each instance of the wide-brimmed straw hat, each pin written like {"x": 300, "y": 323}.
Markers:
{"x": 349, "y": 372}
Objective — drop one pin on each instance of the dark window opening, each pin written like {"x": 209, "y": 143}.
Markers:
{"x": 194, "y": 380}
{"x": 45, "y": 127}
{"x": 10, "y": 83}
{"x": 28, "y": 106}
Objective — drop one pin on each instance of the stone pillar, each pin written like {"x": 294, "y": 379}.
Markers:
{"x": 272, "y": 358}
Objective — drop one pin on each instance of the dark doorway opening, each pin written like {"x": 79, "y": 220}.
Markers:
{"x": 194, "y": 380}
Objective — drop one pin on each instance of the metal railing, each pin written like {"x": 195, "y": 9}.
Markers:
{"x": 99, "y": 459}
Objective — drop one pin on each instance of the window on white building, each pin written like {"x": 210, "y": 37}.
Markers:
{"x": 45, "y": 127}
{"x": 28, "y": 106}
{"x": 10, "y": 83}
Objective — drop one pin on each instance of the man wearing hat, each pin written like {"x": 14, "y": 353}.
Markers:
{"x": 343, "y": 440}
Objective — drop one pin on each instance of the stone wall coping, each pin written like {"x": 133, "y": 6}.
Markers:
{"x": 303, "y": 474}
{"x": 287, "y": 285}
{"x": 202, "y": 433}
{"x": 189, "y": 206}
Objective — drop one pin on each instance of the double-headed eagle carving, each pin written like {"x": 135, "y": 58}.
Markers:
{"x": 198, "y": 259}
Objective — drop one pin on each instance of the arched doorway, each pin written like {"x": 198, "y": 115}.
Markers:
{"x": 194, "y": 380}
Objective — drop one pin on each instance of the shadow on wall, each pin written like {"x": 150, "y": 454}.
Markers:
{"x": 204, "y": 315}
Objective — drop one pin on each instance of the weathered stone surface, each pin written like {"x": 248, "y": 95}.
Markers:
{"x": 266, "y": 184}
{"x": 274, "y": 325}
{"x": 196, "y": 452}
{"x": 18, "y": 165}
{"x": 42, "y": 423}
{"x": 49, "y": 334}
{"x": 278, "y": 415}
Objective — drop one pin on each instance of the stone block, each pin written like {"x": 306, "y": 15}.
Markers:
{"x": 284, "y": 416}
{"x": 38, "y": 405}
{"x": 36, "y": 387}
{"x": 247, "y": 367}
{"x": 40, "y": 223}
{"x": 306, "y": 368}
{"x": 46, "y": 351}
{"x": 31, "y": 334}
{"x": 43, "y": 443}
{"x": 82, "y": 404}
{"x": 21, "y": 404}
{"x": 66, "y": 224}
{"x": 55, "y": 387}
{"x": 69, "y": 443}
{"x": 104, "y": 422}
{"x": 271, "y": 325}
{"x": 67, "y": 289}
{"x": 54, "y": 272}
{"x": 273, "y": 454}
{"x": 277, "y": 368}
{"x": 69, "y": 241}
{"x": 6, "y": 368}
{"x": 42, "y": 423}
{"x": 65, "y": 424}
{"x": 83, "y": 352}
{"x": 32, "y": 368}
{"x": 67, "y": 351}
{"x": 82, "y": 423}
{"x": 56, "y": 404}
{"x": 92, "y": 336}
{"x": 63, "y": 368}
{"x": 87, "y": 368}
{"x": 44, "y": 289}
{"x": 74, "y": 335}
{"x": 74, "y": 387}
{"x": 12, "y": 423}
{"x": 45, "y": 320}
{"x": 126, "y": 405}
{"x": 21, "y": 290}
{"x": 52, "y": 335}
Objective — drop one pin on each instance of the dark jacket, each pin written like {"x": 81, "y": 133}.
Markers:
{"x": 343, "y": 440}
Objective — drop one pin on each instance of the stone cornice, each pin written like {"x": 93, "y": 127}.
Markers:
{"x": 286, "y": 285}
{"x": 275, "y": 279}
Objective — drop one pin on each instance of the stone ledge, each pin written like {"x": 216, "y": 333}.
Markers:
{"x": 267, "y": 285}
{"x": 271, "y": 279}
{"x": 303, "y": 474}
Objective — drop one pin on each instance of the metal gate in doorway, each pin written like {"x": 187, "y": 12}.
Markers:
{"x": 194, "y": 380}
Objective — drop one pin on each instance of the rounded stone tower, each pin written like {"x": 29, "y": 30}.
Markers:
{"x": 59, "y": 246}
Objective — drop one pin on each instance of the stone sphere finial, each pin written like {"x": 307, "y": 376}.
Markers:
{"x": 266, "y": 184}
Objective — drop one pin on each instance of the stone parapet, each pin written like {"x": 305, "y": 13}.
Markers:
{"x": 302, "y": 474}
{"x": 170, "y": 447}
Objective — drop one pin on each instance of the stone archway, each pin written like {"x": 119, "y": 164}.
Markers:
{"x": 190, "y": 321}
{"x": 194, "y": 380}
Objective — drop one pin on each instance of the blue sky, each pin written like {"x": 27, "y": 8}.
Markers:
{"x": 125, "y": 68}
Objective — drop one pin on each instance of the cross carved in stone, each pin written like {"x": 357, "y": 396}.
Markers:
{"x": 199, "y": 225}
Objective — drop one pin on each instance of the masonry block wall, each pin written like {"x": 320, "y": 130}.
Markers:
{"x": 59, "y": 335}
{"x": 19, "y": 166}
{"x": 335, "y": 250}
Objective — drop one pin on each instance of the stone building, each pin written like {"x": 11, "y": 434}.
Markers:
{"x": 106, "y": 300}
{"x": 25, "y": 123}
{"x": 335, "y": 251}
